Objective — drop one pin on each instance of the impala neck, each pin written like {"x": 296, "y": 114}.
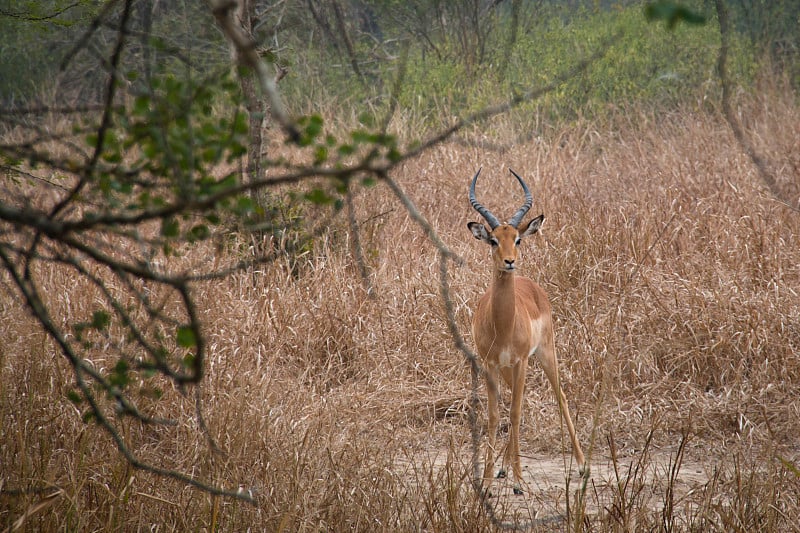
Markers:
{"x": 503, "y": 302}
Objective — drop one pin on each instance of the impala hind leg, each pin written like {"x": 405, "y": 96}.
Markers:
{"x": 547, "y": 358}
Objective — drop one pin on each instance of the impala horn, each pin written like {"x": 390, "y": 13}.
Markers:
{"x": 517, "y": 218}
{"x": 485, "y": 213}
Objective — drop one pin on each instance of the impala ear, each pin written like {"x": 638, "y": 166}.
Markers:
{"x": 533, "y": 226}
{"x": 478, "y": 231}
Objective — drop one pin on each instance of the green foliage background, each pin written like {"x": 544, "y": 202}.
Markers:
{"x": 453, "y": 57}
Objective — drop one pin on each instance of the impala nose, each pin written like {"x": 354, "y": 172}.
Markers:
{"x": 509, "y": 264}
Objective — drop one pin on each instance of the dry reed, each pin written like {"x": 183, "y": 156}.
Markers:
{"x": 674, "y": 278}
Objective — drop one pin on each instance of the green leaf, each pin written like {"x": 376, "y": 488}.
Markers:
{"x": 150, "y": 150}
{"x": 170, "y": 227}
{"x": 78, "y": 329}
{"x": 341, "y": 186}
{"x": 100, "y": 320}
{"x": 188, "y": 360}
{"x": 237, "y": 150}
{"x": 672, "y": 13}
{"x": 311, "y": 129}
{"x": 361, "y": 136}
{"x": 244, "y": 205}
{"x": 240, "y": 125}
{"x": 318, "y": 196}
{"x": 119, "y": 376}
{"x": 141, "y": 105}
{"x": 112, "y": 156}
{"x": 198, "y": 233}
{"x": 185, "y": 337}
{"x": 74, "y": 397}
{"x": 320, "y": 154}
{"x": 225, "y": 183}
{"x": 394, "y": 155}
{"x": 314, "y": 126}
{"x": 209, "y": 154}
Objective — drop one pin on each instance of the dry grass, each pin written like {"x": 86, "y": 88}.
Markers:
{"x": 674, "y": 278}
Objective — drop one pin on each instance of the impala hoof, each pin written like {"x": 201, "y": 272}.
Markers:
{"x": 501, "y": 474}
{"x": 518, "y": 491}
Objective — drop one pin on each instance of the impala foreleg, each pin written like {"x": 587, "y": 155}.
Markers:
{"x": 493, "y": 416}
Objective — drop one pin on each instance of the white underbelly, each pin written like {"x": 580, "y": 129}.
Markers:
{"x": 505, "y": 358}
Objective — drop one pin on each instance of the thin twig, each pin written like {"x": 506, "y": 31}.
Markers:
{"x": 355, "y": 244}
{"x": 418, "y": 217}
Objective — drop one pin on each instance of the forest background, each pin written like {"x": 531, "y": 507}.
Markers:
{"x": 237, "y": 281}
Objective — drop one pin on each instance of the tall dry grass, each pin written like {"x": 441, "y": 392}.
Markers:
{"x": 674, "y": 278}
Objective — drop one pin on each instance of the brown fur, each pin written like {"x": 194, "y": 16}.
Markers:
{"x": 513, "y": 321}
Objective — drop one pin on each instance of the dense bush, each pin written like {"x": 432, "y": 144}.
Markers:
{"x": 644, "y": 63}
{"x": 460, "y": 65}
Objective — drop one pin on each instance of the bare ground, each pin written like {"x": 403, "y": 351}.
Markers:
{"x": 648, "y": 479}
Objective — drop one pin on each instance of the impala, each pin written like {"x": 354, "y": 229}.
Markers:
{"x": 513, "y": 322}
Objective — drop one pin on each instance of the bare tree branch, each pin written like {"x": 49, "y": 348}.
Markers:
{"x": 248, "y": 55}
{"x": 727, "y": 110}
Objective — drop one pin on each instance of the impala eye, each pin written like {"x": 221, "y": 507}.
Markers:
{"x": 516, "y": 243}
{"x": 494, "y": 242}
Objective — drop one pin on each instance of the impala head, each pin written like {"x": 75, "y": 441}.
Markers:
{"x": 504, "y": 238}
